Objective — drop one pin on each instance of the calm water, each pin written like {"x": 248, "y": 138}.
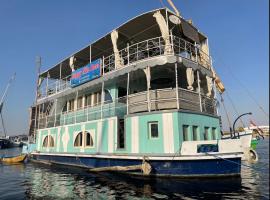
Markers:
{"x": 33, "y": 181}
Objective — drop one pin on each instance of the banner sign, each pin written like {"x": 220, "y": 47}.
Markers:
{"x": 86, "y": 73}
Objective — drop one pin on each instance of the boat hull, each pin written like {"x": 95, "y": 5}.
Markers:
{"x": 14, "y": 159}
{"x": 170, "y": 167}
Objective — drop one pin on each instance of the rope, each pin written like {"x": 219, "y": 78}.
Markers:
{"x": 235, "y": 110}
{"x": 245, "y": 88}
{"x": 229, "y": 160}
{"x": 226, "y": 112}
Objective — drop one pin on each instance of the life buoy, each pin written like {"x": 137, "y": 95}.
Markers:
{"x": 252, "y": 156}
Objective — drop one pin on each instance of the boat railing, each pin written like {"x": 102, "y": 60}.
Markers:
{"x": 163, "y": 99}
{"x": 146, "y": 101}
{"x": 87, "y": 113}
{"x": 135, "y": 53}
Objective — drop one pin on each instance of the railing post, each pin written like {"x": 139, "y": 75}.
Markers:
{"x": 172, "y": 42}
{"x": 196, "y": 55}
{"x": 199, "y": 89}
{"x": 128, "y": 53}
{"x": 75, "y": 106}
{"x": 147, "y": 48}
{"x": 102, "y": 100}
{"x": 137, "y": 51}
{"x": 176, "y": 87}
{"x": 103, "y": 66}
{"x": 47, "y": 84}
{"x": 159, "y": 41}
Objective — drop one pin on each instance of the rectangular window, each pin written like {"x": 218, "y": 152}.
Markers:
{"x": 214, "y": 134}
{"x": 98, "y": 95}
{"x": 195, "y": 133}
{"x": 71, "y": 105}
{"x": 88, "y": 100}
{"x": 121, "y": 135}
{"x": 206, "y": 130}
{"x": 185, "y": 132}
{"x": 153, "y": 129}
{"x": 79, "y": 102}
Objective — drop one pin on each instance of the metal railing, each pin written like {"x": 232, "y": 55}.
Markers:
{"x": 155, "y": 100}
{"x": 137, "y": 52}
{"x": 164, "y": 99}
{"x": 87, "y": 113}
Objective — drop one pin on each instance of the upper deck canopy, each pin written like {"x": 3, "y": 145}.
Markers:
{"x": 135, "y": 30}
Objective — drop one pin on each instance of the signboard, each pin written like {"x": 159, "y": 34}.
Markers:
{"x": 86, "y": 73}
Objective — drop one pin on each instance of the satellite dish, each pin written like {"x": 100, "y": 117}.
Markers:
{"x": 174, "y": 19}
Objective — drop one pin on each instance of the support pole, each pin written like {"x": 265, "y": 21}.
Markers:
{"x": 199, "y": 89}
{"x": 38, "y": 65}
{"x": 55, "y": 112}
{"x": 176, "y": 87}
{"x": 102, "y": 100}
{"x": 103, "y": 66}
{"x": 47, "y": 84}
{"x": 90, "y": 53}
{"x": 75, "y": 106}
{"x": 60, "y": 77}
{"x": 127, "y": 91}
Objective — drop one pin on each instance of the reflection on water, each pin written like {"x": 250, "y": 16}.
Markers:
{"x": 32, "y": 181}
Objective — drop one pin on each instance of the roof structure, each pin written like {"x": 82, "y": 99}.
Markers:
{"x": 139, "y": 28}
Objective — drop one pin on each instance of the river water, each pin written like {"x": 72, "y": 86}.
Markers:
{"x": 35, "y": 181}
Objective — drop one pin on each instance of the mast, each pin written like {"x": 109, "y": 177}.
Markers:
{"x": 3, "y": 99}
{"x": 38, "y": 65}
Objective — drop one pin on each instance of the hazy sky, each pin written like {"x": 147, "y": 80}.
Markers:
{"x": 238, "y": 32}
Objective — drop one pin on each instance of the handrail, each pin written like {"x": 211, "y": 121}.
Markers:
{"x": 111, "y": 108}
{"x": 137, "y": 52}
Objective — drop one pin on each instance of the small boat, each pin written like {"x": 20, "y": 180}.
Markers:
{"x": 14, "y": 159}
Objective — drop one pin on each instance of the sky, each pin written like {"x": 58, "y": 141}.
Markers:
{"x": 238, "y": 32}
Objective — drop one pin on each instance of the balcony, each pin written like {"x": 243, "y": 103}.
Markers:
{"x": 135, "y": 53}
{"x": 154, "y": 100}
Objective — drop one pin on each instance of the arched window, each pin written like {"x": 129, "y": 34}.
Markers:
{"x": 78, "y": 140}
{"x": 48, "y": 141}
{"x": 45, "y": 141}
{"x": 89, "y": 140}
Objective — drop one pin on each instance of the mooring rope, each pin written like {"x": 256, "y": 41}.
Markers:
{"x": 229, "y": 160}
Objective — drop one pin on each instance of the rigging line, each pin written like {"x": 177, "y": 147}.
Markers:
{"x": 243, "y": 86}
{"x": 250, "y": 95}
{"x": 162, "y": 4}
{"x": 234, "y": 107}
{"x": 226, "y": 112}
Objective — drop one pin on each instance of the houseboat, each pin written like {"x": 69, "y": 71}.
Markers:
{"x": 141, "y": 99}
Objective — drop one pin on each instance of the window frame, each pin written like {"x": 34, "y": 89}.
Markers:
{"x": 196, "y": 133}
{"x": 150, "y": 130}
{"x": 78, "y": 133}
{"x": 185, "y": 139}
{"x": 85, "y": 139}
{"x": 50, "y": 140}
{"x": 214, "y": 133}
{"x": 206, "y": 133}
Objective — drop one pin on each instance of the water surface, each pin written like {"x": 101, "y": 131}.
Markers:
{"x": 34, "y": 181}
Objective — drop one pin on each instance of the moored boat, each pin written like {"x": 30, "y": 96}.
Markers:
{"x": 13, "y": 159}
{"x": 140, "y": 99}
